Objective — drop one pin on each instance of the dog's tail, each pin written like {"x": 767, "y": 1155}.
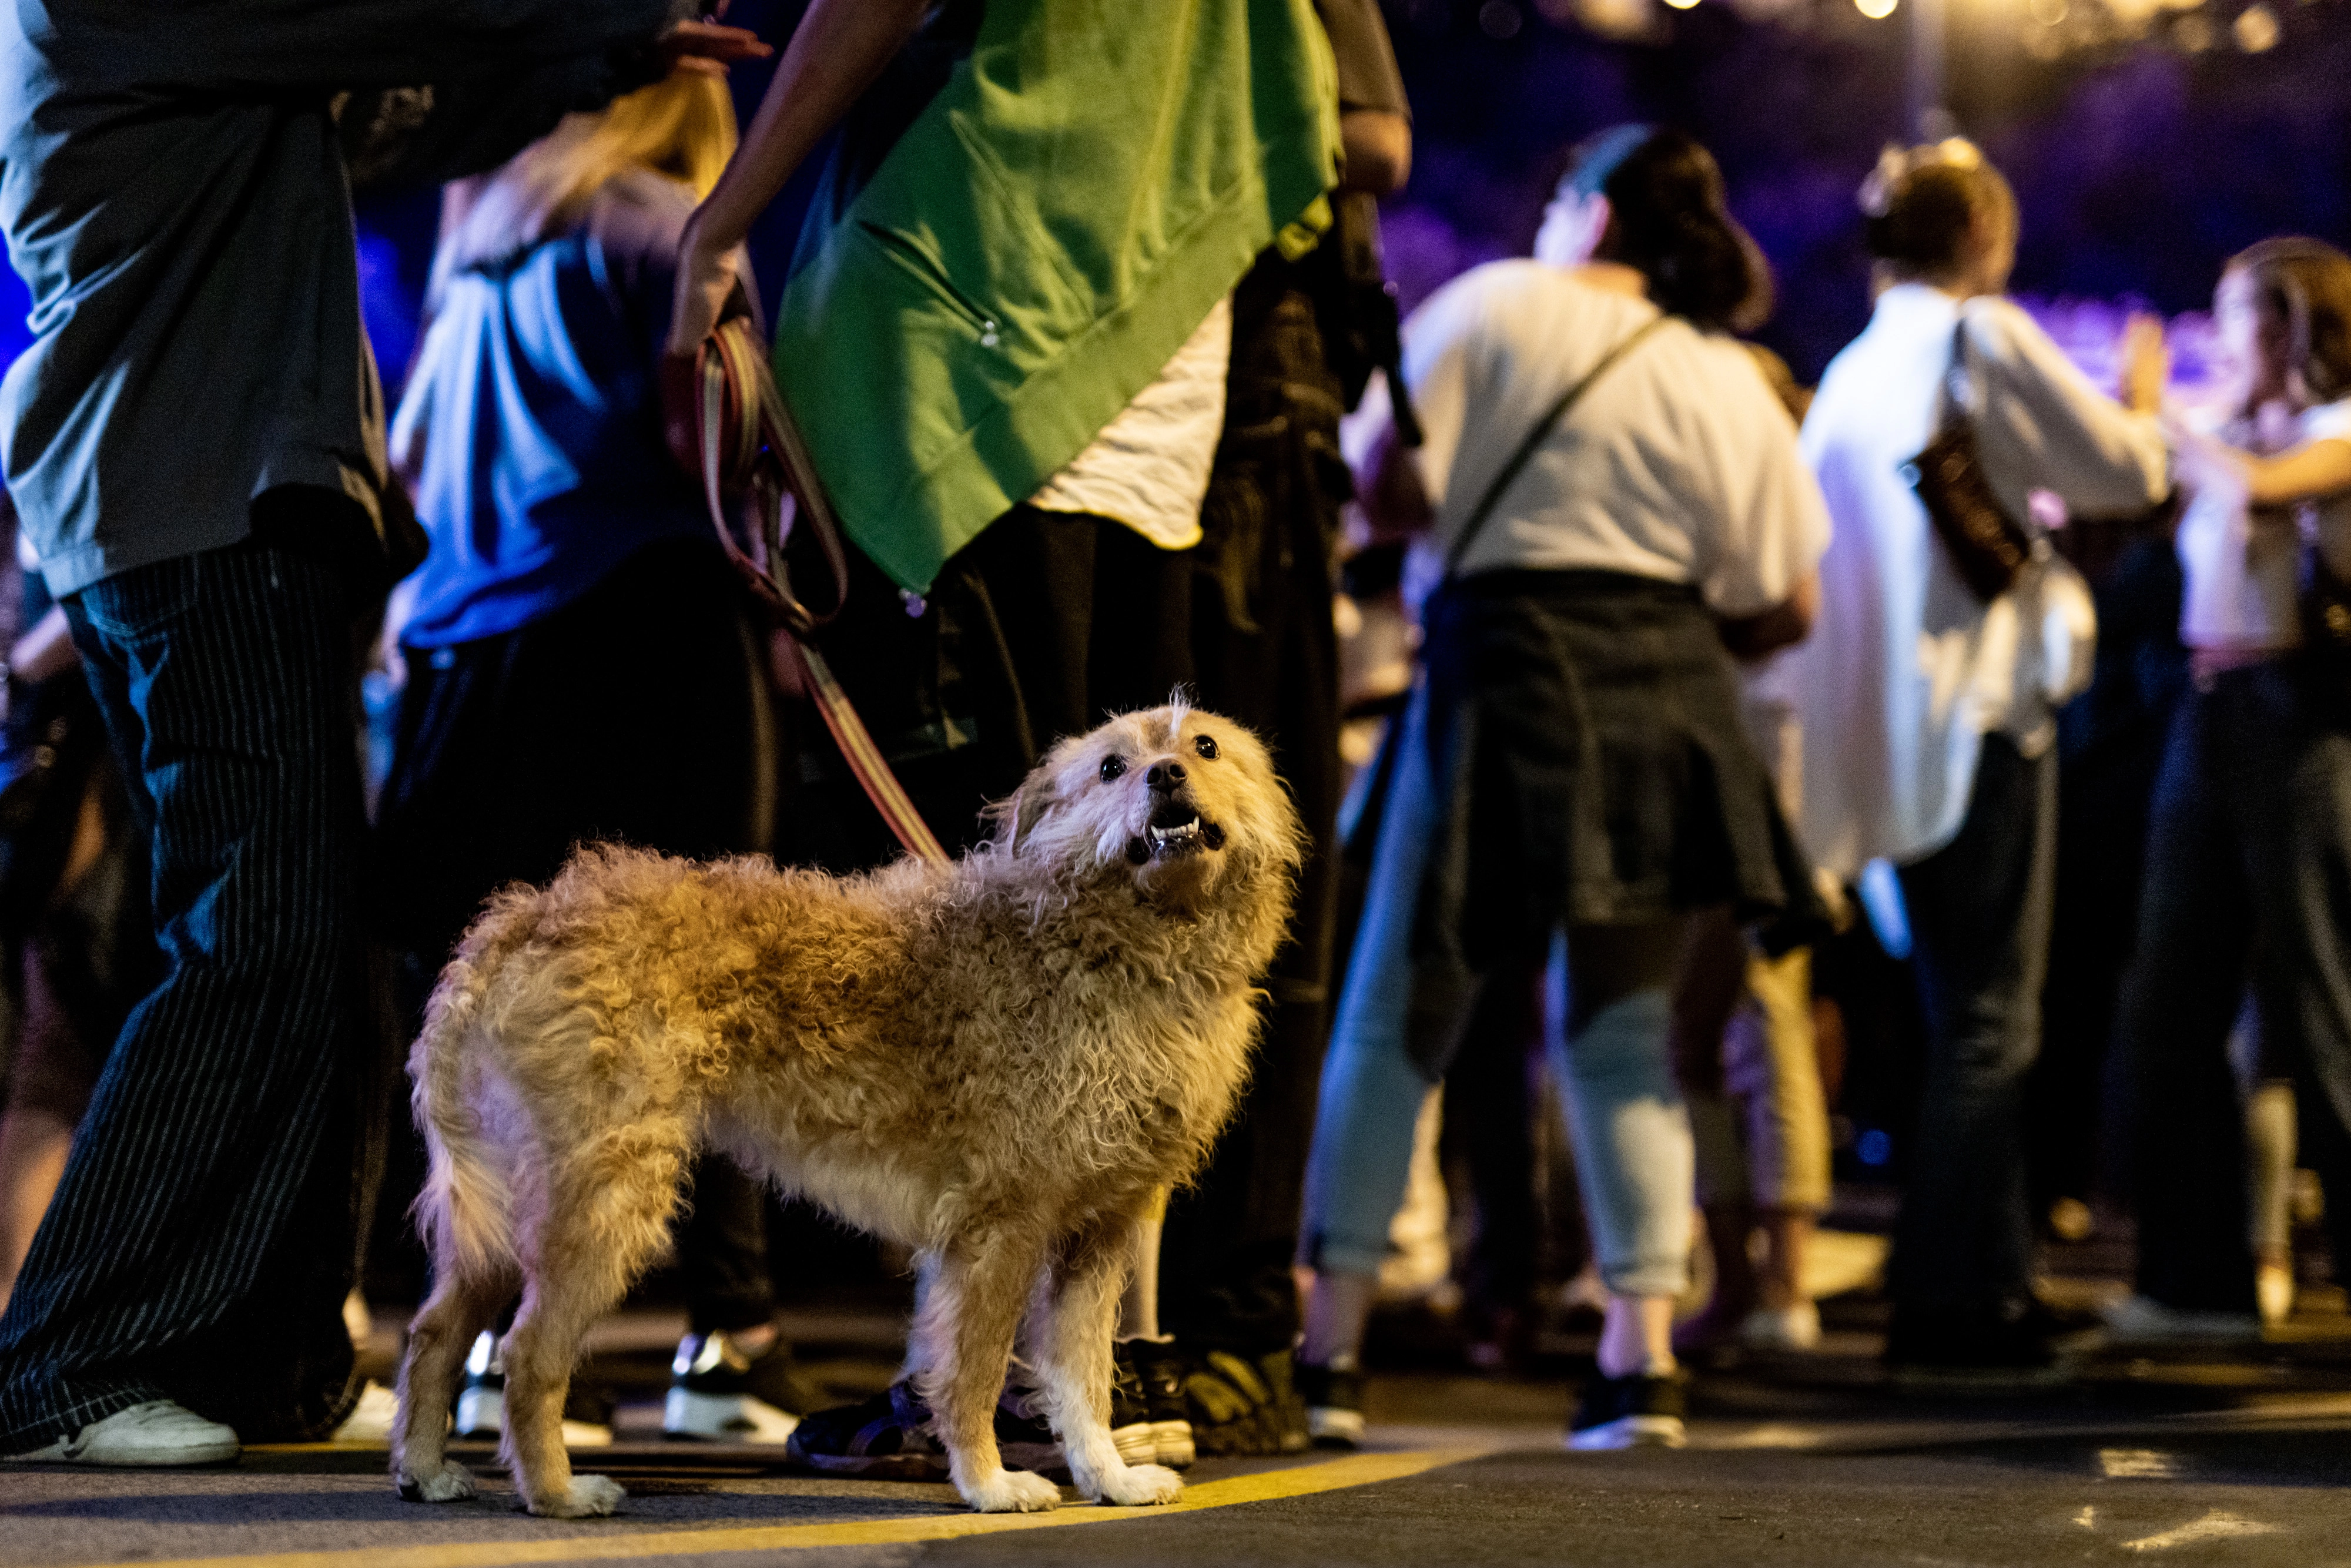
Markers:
{"x": 465, "y": 1209}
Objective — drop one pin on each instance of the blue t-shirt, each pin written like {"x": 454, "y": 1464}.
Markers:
{"x": 535, "y": 408}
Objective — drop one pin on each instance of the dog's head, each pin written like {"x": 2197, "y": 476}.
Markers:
{"x": 1182, "y": 801}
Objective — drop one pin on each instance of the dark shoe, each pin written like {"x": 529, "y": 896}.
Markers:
{"x": 1243, "y": 1406}
{"x": 481, "y": 1412}
{"x": 1979, "y": 1352}
{"x": 1149, "y": 1420}
{"x": 719, "y": 1393}
{"x": 1638, "y": 1412}
{"x": 892, "y": 1436}
{"x": 1334, "y": 1406}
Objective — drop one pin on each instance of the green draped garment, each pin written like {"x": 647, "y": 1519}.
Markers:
{"x": 1038, "y": 244}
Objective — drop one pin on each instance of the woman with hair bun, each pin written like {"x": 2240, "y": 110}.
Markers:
{"x": 2248, "y": 880}
{"x": 1928, "y": 714}
{"x": 1615, "y": 498}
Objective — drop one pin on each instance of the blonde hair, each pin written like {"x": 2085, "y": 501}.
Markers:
{"x": 682, "y": 128}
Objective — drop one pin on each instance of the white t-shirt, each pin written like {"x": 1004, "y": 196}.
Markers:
{"x": 2243, "y": 570}
{"x": 1679, "y": 464}
{"x": 1149, "y": 466}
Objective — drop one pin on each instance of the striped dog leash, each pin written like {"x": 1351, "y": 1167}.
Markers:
{"x": 761, "y": 453}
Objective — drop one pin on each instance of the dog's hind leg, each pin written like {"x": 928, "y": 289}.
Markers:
{"x": 590, "y": 1242}
{"x": 1072, "y": 1351}
{"x": 963, "y": 1343}
{"x": 444, "y": 1327}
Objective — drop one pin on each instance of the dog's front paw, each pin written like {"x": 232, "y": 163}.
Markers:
{"x": 1140, "y": 1486}
{"x": 1014, "y": 1491}
{"x": 588, "y": 1496}
{"x": 453, "y": 1482}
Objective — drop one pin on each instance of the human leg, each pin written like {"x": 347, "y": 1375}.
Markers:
{"x": 2317, "y": 977}
{"x": 1630, "y": 1128}
{"x": 225, "y": 681}
{"x": 2183, "y": 990}
{"x": 1980, "y": 918}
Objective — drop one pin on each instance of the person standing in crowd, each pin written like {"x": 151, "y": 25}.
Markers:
{"x": 184, "y": 1289}
{"x": 1617, "y": 497}
{"x": 580, "y": 662}
{"x": 1928, "y": 716}
{"x": 1265, "y": 652}
{"x": 1011, "y": 371}
{"x": 2249, "y": 845}
{"x": 1759, "y": 1113}
{"x": 75, "y": 947}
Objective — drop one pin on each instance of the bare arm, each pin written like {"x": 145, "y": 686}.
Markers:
{"x": 1785, "y": 623}
{"x": 2315, "y": 469}
{"x": 1375, "y": 151}
{"x": 2207, "y": 463}
{"x": 839, "y": 46}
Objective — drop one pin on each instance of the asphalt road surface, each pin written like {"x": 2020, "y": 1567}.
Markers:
{"x": 1809, "y": 1461}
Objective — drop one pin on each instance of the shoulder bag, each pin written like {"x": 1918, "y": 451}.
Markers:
{"x": 1988, "y": 548}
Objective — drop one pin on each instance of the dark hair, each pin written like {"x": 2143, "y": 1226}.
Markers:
{"x": 1923, "y": 203}
{"x": 2306, "y": 284}
{"x": 1668, "y": 220}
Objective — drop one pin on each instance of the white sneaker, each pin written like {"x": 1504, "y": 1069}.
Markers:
{"x": 2143, "y": 1320}
{"x": 154, "y": 1435}
{"x": 1783, "y": 1328}
{"x": 370, "y": 1419}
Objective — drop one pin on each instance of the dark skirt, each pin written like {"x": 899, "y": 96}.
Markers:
{"x": 1589, "y": 724}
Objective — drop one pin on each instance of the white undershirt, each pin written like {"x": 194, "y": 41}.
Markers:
{"x": 1149, "y": 466}
{"x": 2243, "y": 568}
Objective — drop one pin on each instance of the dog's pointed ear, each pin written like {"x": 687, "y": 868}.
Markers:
{"x": 1016, "y": 816}
{"x": 1035, "y": 798}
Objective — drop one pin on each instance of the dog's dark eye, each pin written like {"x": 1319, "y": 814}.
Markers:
{"x": 1112, "y": 767}
{"x": 1207, "y": 746}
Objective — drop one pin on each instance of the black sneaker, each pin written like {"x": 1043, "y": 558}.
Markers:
{"x": 1240, "y": 1405}
{"x": 481, "y": 1412}
{"x": 719, "y": 1393}
{"x": 1334, "y": 1405}
{"x": 1980, "y": 1351}
{"x": 1637, "y": 1412}
{"x": 892, "y": 1436}
{"x": 1149, "y": 1418}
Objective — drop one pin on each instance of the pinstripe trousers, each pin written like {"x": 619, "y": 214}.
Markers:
{"x": 202, "y": 1235}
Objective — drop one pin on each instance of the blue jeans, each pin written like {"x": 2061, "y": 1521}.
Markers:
{"x": 1626, "y": 1118}
{"x": 2248, "y": 878}
{"x": 1980, "y": 931}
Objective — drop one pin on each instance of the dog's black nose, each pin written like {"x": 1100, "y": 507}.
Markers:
{"x": 1165, "y": 776}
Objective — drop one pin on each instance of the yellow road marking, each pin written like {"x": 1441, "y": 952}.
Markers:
{"x": 1301, "y": 1481}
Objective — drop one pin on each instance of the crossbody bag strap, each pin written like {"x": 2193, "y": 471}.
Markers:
{"x": 1541, "y": 433}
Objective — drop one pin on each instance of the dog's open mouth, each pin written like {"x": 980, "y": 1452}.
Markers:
{"x": 1177, "y": 829}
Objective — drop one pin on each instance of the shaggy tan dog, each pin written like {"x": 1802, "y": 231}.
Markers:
{"x": 996, "y": 1061}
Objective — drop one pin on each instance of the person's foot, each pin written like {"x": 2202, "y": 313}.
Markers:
{"x": 155, "y": 1435}
{"x": 481, "y": 1410}
{"x": 892, "y": 1436}
{"x": 1240, "y": 1405}
{"x": 720, "y": 1392}
{"x": 370, "y": 1420}
{"x": 1790, "y": 1328}
{"x": 1641, "y": 1411}
{"x": 1149, "y": 1418}
{"x": 2144, "y": 1320}
{"x": 1982, "y": 1352}
{"x": 1334, "y": 1406}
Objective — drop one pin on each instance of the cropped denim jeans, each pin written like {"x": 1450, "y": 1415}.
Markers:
{"x": 1626, "y": 1115}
